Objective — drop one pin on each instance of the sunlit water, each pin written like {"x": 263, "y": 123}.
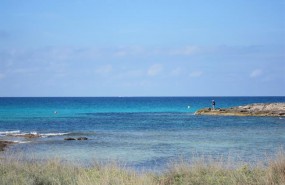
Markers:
{"x": 143, "y": 133}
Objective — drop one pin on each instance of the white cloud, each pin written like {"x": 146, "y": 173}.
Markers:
{"x": 128, "y": 51}
{"x": 196, "y": 74}
{"x": 68, "y": 54}
{"x": 154, "y": 70}
{"x": 256, "y": 73}
{"x": 188, "y": 50}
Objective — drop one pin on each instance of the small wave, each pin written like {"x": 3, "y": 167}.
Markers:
{"x": 19, "y": 133}
{"x": 10, "y": 132}
{"x": 21, "y": 142}
{"x": 53, "y": 134}
{"x": 41, "y": 134}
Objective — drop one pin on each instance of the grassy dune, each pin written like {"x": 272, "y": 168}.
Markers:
{"x": 55, "y": 172}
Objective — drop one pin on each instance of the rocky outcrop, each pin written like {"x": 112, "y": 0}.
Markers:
{"x": 4, "y": 144}
{"x": 71, "y": 138}
{"x": 257, "y": 109}
{"x": 82, "y": 138}
{"x": 27, "y": 136}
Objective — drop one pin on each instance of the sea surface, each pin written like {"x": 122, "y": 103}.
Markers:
{"x": 141, "y": 132}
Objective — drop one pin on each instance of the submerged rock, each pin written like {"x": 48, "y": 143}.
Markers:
{"x": 79, "y": 138}
{"x": 257, "y": 109}
{"x": 82, "y": 138}
{"x": 69, "y": 138}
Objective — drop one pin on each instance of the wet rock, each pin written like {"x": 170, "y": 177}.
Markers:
{"x": 30, "y": 136}
{"x": 69, "y": 138}
{"x": 4, "y": 144}
{"x": 82, "y": 138}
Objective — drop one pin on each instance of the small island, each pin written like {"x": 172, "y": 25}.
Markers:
{"x": 256, "y": 109}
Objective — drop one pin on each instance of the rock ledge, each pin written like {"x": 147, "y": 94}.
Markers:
{"x": 256, "y": 109}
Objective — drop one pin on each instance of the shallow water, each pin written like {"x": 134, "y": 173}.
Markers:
{"x": 139, "y": 132}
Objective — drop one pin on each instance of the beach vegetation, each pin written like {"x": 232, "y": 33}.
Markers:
{"x": 55, "y": 172}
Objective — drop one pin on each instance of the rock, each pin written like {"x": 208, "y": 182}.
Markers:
{"x": 79, "y": 138}
{"x": 69, "y": 138}
{"x": 4, "y": 144}
{"x": 82, "y": 138}
{"x": 27, "y": 136}
{"x": 257, "y": 109}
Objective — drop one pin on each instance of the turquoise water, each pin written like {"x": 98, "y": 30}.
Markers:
{"x": 141, "y": 132}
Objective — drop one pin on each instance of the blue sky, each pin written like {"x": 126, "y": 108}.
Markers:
{"x": 142, "y": 48}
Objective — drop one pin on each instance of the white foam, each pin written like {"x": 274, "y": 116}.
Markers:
{"x": 21, "y": 142}
{"x": 10, "y": 132}
{"x": 53, "y": 134}
{"x": 19, "y": 133}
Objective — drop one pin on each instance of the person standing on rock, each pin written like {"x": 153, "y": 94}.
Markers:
{"x": 213, "y": 104}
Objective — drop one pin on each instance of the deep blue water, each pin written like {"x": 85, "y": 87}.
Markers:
{"x": 141, "y": 132}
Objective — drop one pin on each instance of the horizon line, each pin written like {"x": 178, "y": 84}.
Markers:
{"x": 206, "y": 96}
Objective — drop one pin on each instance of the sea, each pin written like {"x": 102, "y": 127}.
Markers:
{"x": 143, "y": 133}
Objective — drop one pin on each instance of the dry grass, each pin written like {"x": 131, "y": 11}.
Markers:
{"x": 54, "y": 172}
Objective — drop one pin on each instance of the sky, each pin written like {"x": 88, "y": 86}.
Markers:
{"x": 142, "y": 48}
